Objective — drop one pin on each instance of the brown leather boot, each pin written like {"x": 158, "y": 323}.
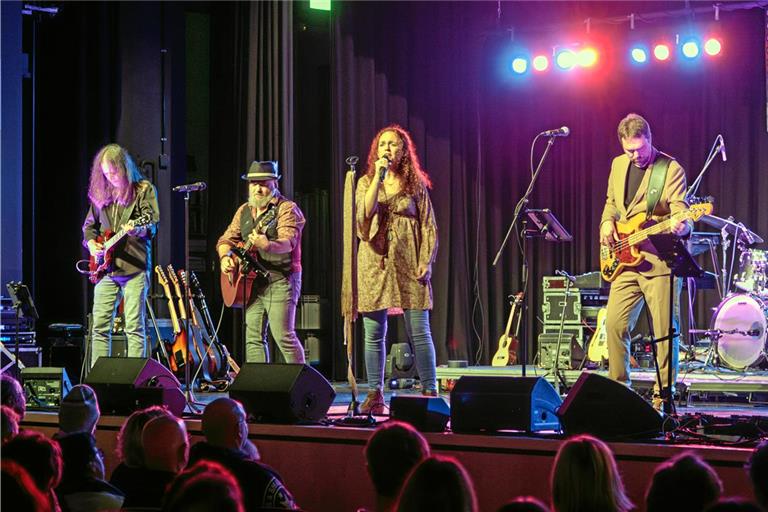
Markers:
{"x": 374, "y": 403}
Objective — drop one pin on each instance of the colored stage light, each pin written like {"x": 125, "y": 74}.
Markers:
{"x": 639, "y": 54}
{"x": 712, "y": 46}
{"x": 691, "y": 49}
{"x": 565, "y": 59}
{"x": 661, "y": 51}
{"x": 587, "y": 57}
{"x": 519, "y": 65}
{"x": 321, "y": 5}
{"x": 540, "y": 63}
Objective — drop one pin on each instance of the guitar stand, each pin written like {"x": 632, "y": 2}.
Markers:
{"x": 160, "y": 344}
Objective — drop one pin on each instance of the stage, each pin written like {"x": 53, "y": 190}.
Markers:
{"x": 324, "y": 467}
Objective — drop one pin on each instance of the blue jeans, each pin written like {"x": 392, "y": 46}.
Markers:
{"x": 106, "y": 298}
{"x": 417, "y": 328}
{"x": 275, "y": 307}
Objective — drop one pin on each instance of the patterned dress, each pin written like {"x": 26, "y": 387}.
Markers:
{"x": 400, "y": 236}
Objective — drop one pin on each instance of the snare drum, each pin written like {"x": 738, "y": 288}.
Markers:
{"x": 741, "y": 319}
{"x": 753, "y": 275}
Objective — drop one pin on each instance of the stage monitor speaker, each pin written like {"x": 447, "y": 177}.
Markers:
{"x": 282, "y": 393}
{"x": 45, "y": 387}
{"x": 426, "y": 413}
{"x": 125, "y": 384}
{"x": 608, "y": 409}
{"x": 504, "y": 403}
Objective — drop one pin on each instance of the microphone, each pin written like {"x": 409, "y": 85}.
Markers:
{"x": 566, "y": 275}
{"x": 563, "y": 131}
{"x": 383, "y": 170}
{"x": 191, "y": 187}
{"x": 722, "y": 149}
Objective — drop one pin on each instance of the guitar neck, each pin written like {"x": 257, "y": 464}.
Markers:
{"x": 661, "y": 227}
{"x": 172, "y": 310}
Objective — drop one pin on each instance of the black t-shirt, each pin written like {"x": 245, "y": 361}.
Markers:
{"x": 634, "y": 177}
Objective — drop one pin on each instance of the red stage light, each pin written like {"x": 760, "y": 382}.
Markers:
{"x": 661, "y": 52}
{"x": 587, "y": 57}
{"x": 713, "y": 46}
{"x": 540, "y": 63}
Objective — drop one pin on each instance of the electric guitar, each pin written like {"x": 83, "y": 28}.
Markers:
{"x": 196, "y": 340}
{"x": 236, "y": 285}
{"x": 177, "y": 351}
{"x": 508, "y": 343}
{"x": 103, "y": 263}
{"x": 625, "y": 253}
{"x": 598, "y": 344}
{"x": 228, "y": 363}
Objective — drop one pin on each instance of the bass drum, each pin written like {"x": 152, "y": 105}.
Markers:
{"x": 741, "y": 319}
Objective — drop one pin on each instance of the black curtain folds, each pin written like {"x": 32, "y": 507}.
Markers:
{"x": 436, "y": 69}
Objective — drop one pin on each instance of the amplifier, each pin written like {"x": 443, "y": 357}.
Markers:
{"x": 578, "y": 332}
{"x": 45, "y": 387}
{"x": 570, "y": 355}
{"x": 310, "y": 313}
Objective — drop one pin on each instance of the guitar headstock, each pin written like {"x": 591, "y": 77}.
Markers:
{"x": 183, "y": 277}
{"x": 174, "y": 279}
{"x": 196, "y": 288}
{"x": 162, "y": 278}
{"x": 700, "y": 207}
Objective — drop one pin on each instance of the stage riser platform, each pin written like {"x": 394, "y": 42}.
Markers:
{"x": 325, "y": 469}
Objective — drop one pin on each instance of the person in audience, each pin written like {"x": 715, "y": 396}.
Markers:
{"x": 82, "y": 487}
{"x": 684, "y": 483}
{"x": 758, "y": 473}
{"x": 392, "y": 451}
{"x": 585, "y": 477}
{"x": 438, "y": 483}
{"x": 41, "y": 457}
{"x": 734, "y": 505}
{"x": 166, "y": 451}
{"x": 524, "y": 504}
{"x": 19, "y": 490}
{"x": 226, "y": 432}
{"x": 13, "y": 394}
{"x": 10, "y": 423}
{"x": 79, "y": 411}
{"x": 130, "y": 452}
{"x": 204, "y": 487}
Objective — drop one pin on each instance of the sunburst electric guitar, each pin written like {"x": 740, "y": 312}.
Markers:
{"x": 626, "y": 254}
{"x": 507, "y": 352}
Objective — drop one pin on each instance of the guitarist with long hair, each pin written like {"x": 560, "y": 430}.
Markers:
{"x": 642, "y": 180}
{"x": 123, "y": 205}
{"x": 266, "y": 229}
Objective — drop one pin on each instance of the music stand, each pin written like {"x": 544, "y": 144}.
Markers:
{"x": 550, "y": 229}
{"x": 672, "y": 250}
{"x": 24, "y": 307}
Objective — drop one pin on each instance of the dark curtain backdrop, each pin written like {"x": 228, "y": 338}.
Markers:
{"x": 434, "y": 68}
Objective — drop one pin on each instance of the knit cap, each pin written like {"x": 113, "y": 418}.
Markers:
{"x": 79, "y": 411}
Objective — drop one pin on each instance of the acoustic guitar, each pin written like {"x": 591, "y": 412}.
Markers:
{"x": 508, "y": 343}
{"x": 625, "y": 253}
{"x": 103, "y": 263}
{"x": 236, "y": 286}
{"x": 598, "y": 344}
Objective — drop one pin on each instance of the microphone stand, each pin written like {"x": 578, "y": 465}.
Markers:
{"x": 516, "y": 216}
{"x": 712, "y": 154}
{"x": 190, "y": 397}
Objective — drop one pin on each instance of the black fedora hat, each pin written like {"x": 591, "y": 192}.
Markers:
{"x": 266, "y": 170}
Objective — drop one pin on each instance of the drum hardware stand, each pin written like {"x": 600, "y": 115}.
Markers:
{"x": 24, "y": 307}
{"x": 681, "y": 264}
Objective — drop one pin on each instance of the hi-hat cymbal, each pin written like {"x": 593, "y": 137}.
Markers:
{"x": 732, "y": 227}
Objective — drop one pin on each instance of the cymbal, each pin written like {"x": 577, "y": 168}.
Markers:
{"x": 746, "y": 235}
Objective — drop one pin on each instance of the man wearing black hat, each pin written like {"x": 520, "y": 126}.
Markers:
{"x": 270, "y": 226}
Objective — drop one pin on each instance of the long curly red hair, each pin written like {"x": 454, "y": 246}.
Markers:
{"x": 409, "y": 166}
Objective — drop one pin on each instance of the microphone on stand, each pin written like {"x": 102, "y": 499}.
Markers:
{"x": 383, "y": 170}
{"x": 563, "y": 131}
{"x": 722, "y": 148}
{"x": 191, "y": 187}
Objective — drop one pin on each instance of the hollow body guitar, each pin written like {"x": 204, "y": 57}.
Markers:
{"x": 236, "y": 286}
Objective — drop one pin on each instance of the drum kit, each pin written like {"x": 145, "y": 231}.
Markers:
{"x": 740, "y": 322}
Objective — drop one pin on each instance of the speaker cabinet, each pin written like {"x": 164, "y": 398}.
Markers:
{"x": 608, "y": 409}
{"x": 125, "y": 384}
{"x": 45, "y": 387}
{"x": 504, "y": 403}
{"x": 282, "y": 393}
{"x": 425, "y": 413}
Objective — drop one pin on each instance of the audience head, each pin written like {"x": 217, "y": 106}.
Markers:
{"x": 393, "y": 450}
{"x": 13, "y": 395}
{"x": 40, "y": 456}
{"x": 224, "y": 424}
{"x": 129, "y": 448}
{"x": 19, "y": 490}
{"x": 585, "y": 477}
{"x": 251, "y": 450}
{"x": 438, "y": 483}
{"x": 166, "y": 446}
{"x": 205, "y": 487}
{"x": 79, "y": 411}
{"x": 734, "y": 505}
{"x": 524, "y": 504}
{"x": 683, "y": 483}
{"x": 758, "y": 473}
{"x": 10, "y": 422}
{"x": 83, "y": 460}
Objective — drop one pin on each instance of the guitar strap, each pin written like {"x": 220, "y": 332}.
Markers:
{"x": 656, "y": 182}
